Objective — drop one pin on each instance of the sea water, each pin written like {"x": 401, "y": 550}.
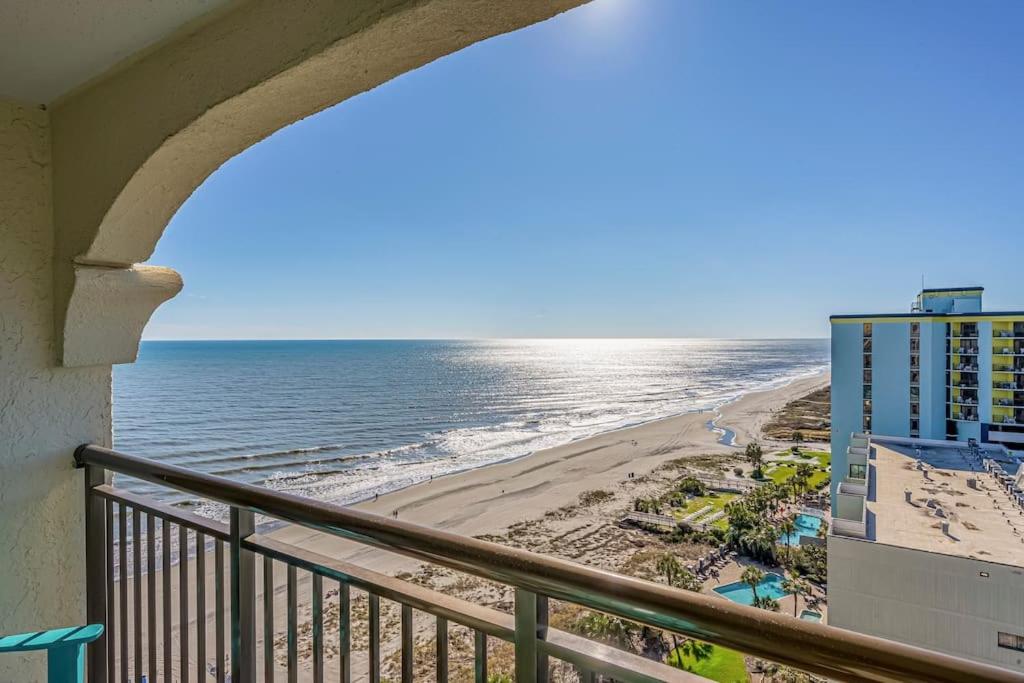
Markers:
{"x": 344, "y": 420}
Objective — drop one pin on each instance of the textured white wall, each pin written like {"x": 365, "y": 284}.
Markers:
{"x": 45, "y": 411}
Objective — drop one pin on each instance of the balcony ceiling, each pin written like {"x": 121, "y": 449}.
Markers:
{"x": 50, "y": 47}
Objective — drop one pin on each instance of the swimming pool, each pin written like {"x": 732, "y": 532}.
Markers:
{"x": 806, "y": 525}
{"x": 770, "y": 586}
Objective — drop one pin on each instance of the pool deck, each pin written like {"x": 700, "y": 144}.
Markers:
{"x": 731, "y": 572}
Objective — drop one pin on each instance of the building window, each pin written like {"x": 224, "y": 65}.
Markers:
{"x": 915, "y": 376}
{"x": 858, "y": 471}
{"x": 867, "y": 392}
{"x": 867, "y": 329}
{"x": 867, "y": 423}
{"x": 915, "y": 329}
{"x": 867, "y": 377}
{"x": 1011, "y": 641}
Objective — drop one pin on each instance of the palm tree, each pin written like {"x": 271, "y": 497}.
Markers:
{"x": 607, "y": 629}
{"x": 754, "y": 455}
{"x": 788, "y": 528}
{"x": 804, "y": 471}
{"x": 797, "y": 588}
{"x": 752, "y": 576}
{"x": 669, "y": 566}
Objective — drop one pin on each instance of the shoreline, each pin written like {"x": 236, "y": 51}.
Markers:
{"x": 488, "y": 499}
{"x": 713, "y": 426}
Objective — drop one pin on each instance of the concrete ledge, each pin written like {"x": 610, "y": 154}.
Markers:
{"x": 108, "y": 309}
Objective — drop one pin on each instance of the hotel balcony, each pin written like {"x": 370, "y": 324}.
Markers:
{"x": 103, "y": 138}
{"x": 228, "y": 573}
{"x": 964, "y": 367}
{"x": 965, "y": 350}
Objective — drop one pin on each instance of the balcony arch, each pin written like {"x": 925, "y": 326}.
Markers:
{"x": 131, "y": 148}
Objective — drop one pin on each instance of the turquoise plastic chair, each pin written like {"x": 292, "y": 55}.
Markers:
{"x": 65, "y": 650}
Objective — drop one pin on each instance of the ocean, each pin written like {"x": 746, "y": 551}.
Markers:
{"x": 344, "y": 420}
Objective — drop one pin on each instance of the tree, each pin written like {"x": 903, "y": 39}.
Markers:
{"x": 798, "y": 437}
{"x": 607, "y": 629}
{"x": 797, "y": 588}
{"x": 804, "y": 471}
{"x": 788, "y": 528}
{"x": 691, "y": 486}
{"x": 752, "y": 576}
{"x": 754, "y": 456}
{"x": 765, "y": 602}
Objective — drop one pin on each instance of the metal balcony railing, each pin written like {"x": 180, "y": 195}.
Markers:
{"x": 124, "y": 598}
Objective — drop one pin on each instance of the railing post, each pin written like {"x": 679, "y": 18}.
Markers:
{"x": 95, "y": 568}
{"x": 531, "y": 626}
{"x": 243, "y": 598}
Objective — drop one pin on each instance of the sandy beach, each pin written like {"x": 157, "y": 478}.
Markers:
{"x": 490, "y": 499}
{"x": 531, "y": 502}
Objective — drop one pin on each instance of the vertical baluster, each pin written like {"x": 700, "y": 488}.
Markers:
{"x": 122, "y": 580}
{"x": 137, "y": 591}
{"x": 543, "y": 666}
{"x": 442, "y": 650}
{"x": 111, "y": 627}
{"x": 200, "y": 607}
{"x": 268, "y": 619}
{"x": 344, "y": 633}
{"x": 218, "y": 577}
{"x": 243, "y": 598}
{"x": 407, "y": 643}
{"x": 183, "y": 603}
{"x": 526, "y": 621}
{"x": 374, "y": 603}
{"x": 96, "y": 539}
{"x": 480, "y": 657}
{"x": 151, "y": 593}
{"x": 318, "y": 628}
{"x": 165, "y": 529}
{"x": 293, "y": 626}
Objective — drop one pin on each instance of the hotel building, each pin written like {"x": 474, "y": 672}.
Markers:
{"x": 927, "y": 548}
{"x": 945, "y": 370}
{"x": 926, "y": 543}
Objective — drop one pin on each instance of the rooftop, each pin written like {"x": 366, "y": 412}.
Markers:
{"x": 984, "y": 523}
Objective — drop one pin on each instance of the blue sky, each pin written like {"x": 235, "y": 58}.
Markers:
{"x": 633, "y": 168}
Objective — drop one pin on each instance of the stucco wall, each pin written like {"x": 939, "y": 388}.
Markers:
{"x": 933, "y": 380}
{"x": 890, "y": 404}
{"x": 44, "y": 410}
{"x": 940, "y": 602}
{"x": 847, "y": 392}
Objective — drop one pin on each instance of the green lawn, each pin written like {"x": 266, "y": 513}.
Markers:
{"x": 716, "y": 500}
{"x": 724, "y": 665}
{"x": 823, "y": 458}
{"x": 780, "y": 474}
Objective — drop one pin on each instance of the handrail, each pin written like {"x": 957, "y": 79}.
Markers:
{"x": 839, "y": 654}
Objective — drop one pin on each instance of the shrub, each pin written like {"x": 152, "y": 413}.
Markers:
{"x": 738, "y": 471}
{"x": 595, "y": 497}
{"x": 691, "y": 486}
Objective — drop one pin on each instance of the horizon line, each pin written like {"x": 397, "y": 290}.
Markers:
{"x": 596, "y": 338}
